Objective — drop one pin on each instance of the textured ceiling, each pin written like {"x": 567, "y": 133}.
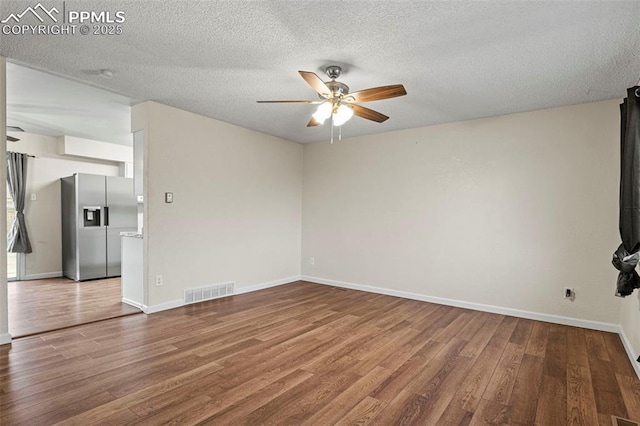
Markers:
{"x": 457, "y": 59}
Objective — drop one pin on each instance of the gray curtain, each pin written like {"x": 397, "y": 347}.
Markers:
{"x": 17, "y": 237}
{"x": 627, "y": 255}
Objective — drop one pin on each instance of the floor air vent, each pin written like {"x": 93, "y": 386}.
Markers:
{"x": 201, "y": 294}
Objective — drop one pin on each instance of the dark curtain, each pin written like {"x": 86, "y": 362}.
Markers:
{"x": 17, "y": 237}
{"x": 626, "y": 256}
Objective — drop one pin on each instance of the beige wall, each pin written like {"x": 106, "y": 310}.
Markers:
{"x": 503, "y": 211}
{"x": 43, "y": 215}
{"x": 237, "y": 203}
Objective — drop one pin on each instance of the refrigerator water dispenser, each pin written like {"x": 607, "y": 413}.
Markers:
{"x": 91, "y": 217}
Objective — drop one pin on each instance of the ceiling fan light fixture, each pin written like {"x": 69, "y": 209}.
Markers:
{"x": 342, "y": 115}
{"x": 323, "y": 112}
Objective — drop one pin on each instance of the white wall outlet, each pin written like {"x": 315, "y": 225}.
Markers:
{"x": 312, "y": 261}
{"x": 569, "y": 293}
{"x": 158, "y": 280}
{"x": 34, "y": 196}
{"x": 168, "y": 197}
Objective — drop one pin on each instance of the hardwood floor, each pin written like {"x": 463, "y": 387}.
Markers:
{"x": 50, "y": 304}
{"x": 304, "y": 353}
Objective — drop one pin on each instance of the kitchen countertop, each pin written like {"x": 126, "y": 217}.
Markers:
{"x": 131, "y": 234}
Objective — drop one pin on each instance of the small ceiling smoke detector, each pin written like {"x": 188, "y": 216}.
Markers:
{"x": 106, "y": 73}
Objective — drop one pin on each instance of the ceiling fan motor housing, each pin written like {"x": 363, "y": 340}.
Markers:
{"x": 337, "y": 88}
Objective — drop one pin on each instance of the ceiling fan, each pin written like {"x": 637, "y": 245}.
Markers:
{"x": 337, "y": 104}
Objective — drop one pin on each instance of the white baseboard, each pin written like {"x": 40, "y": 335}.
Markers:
{"x": 132, "y": 303}
{"x": 630, "y": 352}
{"x": 42, "y": 276}
{"x": 5, "y": 339}
{"x": 162, "y": 306}
{"x": 276, "y": 283}
{"x": 556, "y": 319}
{"x": 179, "y": 302}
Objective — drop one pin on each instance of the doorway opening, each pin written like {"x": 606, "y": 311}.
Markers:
{"x": 39, "y": 298}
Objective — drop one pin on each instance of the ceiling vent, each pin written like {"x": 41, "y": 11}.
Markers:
{"x": 13, "y": 129}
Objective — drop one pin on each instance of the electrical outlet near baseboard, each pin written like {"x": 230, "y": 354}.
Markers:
{"x": 569, "y": 293}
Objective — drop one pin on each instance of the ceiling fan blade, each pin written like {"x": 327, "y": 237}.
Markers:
{"x": 369, "y": 114}
{"x": 290, "y": 102}
{"x": 316, "y": 83}
{"x": 12, "y": 139}
{"x": 313, "y": 122}
{"x": 376, "y": 93}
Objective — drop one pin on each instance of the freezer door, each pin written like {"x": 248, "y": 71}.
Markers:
{"x": 121, "y": 215}
{"x": 92, "y": 240}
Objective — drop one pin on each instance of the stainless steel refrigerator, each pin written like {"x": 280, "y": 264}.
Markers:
{"x": 95, "y": 210}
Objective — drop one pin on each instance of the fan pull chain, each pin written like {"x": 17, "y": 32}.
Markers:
{"x": 331, "y": 129}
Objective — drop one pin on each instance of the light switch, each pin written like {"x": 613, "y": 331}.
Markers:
{"x": 168, "y": 197}
{"x": 34, "y": 197}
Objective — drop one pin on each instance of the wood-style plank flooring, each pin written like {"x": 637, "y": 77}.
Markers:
{"x": 50, "y": 304}
{"x": 305, "y": 353}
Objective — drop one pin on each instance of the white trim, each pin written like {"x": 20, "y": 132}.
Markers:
{"x": 21, "y": 267}
{"x": 41, "y": 276}
{"x": 178, "y": 303}
{"x": 132, "y": 303}
{"x": 275, "y": 283}
{"x": 557, "y": 319}
{"x": 630, "y": 352}
{"x": 162, "y": 306}
{"x": 5, "y": 339}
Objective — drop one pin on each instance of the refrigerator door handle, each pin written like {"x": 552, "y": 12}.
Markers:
{"x": 106, "y": 215}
